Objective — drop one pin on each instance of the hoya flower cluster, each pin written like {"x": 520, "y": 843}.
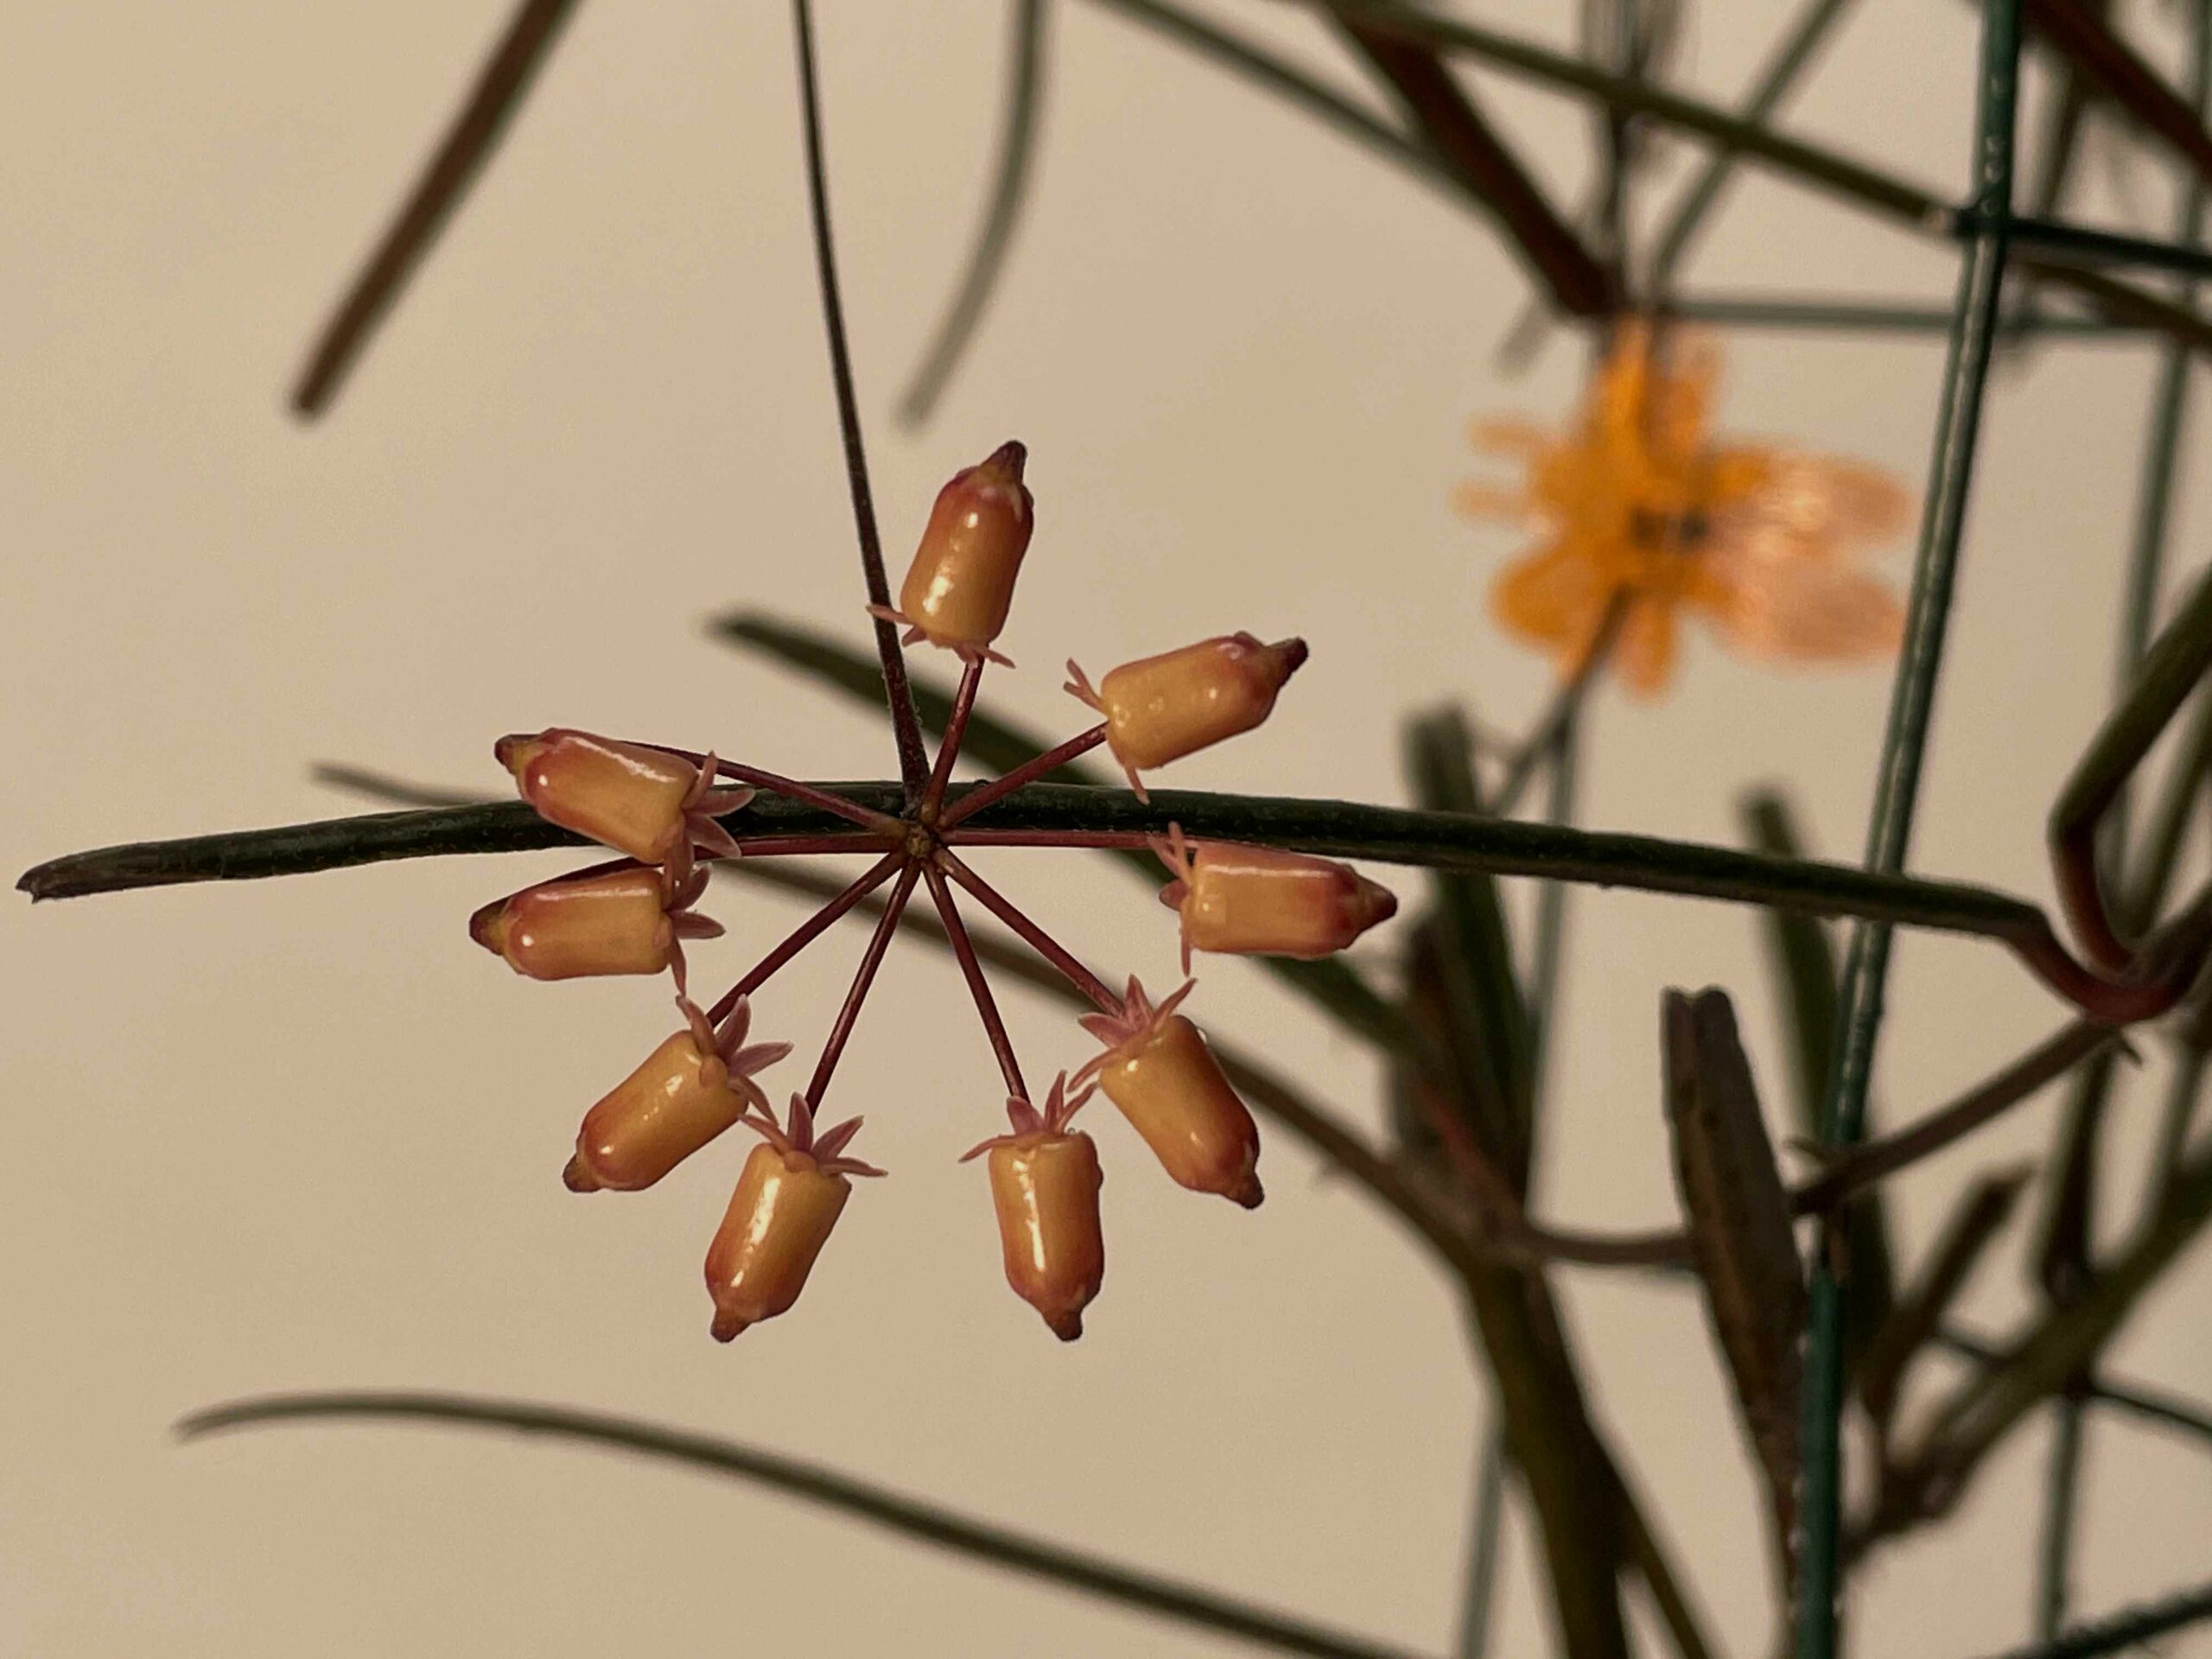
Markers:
{"x": 668, "y": 813}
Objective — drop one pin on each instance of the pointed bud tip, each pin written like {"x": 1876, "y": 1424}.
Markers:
{"x": 488, "y": 927}
{"x": 518, "y": 749}
{"x": 1291, "y": 654}
{"x": 727, "y": 1326}
{"x": 1009, "y": 457}
{"x": 1249, "y": 1195}
{"x": 1066, "y": 1326}
{"x": 576, "y": 1176}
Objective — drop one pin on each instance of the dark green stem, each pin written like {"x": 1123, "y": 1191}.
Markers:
{"x": 1068, "y": 816}
{"x": 1897, "y": 790}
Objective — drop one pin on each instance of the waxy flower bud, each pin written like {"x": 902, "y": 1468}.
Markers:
{"x": 618, "y": 922}
{"x": 959, "y": 589}
{"x": 638, "y": 800}
{"x": 1044, "y": 1182}
{"x": 788, "y": 1197}
{"x": 689, "y": 1090}
{"x": 1159, "y": 709}
{"x": 1262, "y": 902}
{"x": 1159, "y": 1071}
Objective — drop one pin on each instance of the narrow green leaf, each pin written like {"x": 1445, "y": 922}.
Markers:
{"x": 1017, "y": 145}
{"x": 932, "y": 1523}
{"x": 1801, "y": 959}
{"x": 1487, "y": 1029}
{"x": 501, "y": 86}
{"x": 1746, "y": 1249}
{"x": 1976, "y": 1220}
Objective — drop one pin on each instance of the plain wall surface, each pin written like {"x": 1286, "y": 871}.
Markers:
{"x": 303, "y": 1134}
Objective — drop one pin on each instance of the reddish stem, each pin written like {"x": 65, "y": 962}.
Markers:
{"x": 2162, "y": 967}
{"x": 789, "y": 846}
{"x": 1113, "y": 839}
{"x": 807, "y": 932}
{"x": 1034, "y": 936}
{"x": 1027, "y": 772}
{"x": 776, "y": 783}
{"x": 791, "y": 789}
{"x": 2081, "y": 894}
{"x": 878, "y": 942}
{"x": 964, "y": 951}
{"x": 956, "y": 729}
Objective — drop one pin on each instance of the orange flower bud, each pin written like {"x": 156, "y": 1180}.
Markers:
{"x": 1159, "y": 1071}
{"x": 788, "y": 1197}
{"x": 620, "y": 922}
{"x": 1159, "y": 709}
{"x": 959, "y": 589}
{"x": 1262, "y": 901}
{"x": 1044, "y": 1182}
{"x": 637, "y": 800}
{"x": 689, "y": 1090}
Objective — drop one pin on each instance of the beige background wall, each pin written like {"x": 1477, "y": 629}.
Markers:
{"x": 303, "y": 1134}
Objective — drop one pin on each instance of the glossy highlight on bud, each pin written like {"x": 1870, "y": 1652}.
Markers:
{"x": 960, "y": 588}
{"x": 789, "y": 1196}
{"x": 1263, "y": 902}
{"x": 616, "y": 922}
{"x": 687, "y": 1091}
{"x": 637, "y": 800}
{"x": 1159, "y": 709}
{"x": 1045, "y": 1184}
{"x": 1159, "y": 1071}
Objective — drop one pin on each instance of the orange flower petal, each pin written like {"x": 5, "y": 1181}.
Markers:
{"x": 1809, "y": 611}
{"x": 1483, "y": 501}
{"x": 1645, "y": 655}
{"x": 1556, "y": 596}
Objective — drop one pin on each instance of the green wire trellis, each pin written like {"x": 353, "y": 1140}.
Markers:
{"x": 1981, "y": 278}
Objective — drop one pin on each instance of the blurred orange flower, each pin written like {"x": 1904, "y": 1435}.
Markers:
{"x": 1638, "y": 509}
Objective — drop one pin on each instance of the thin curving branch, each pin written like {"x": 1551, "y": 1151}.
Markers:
{"x": 983, "y": 1540}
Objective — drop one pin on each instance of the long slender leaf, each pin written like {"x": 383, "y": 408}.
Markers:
{"x": 2133, "y": 1627}
{"x": 1456, "y": 132}
{"x": 1487, "y": 1034}
{"x": 1747, "y": 1250}
{"x": 1976, "y": 1219}
{"x": 500, "y": 87}
{"x": 1801, "y": 960}
{"x": 1017, "y": 146}
{"x": 932, "y": 1523}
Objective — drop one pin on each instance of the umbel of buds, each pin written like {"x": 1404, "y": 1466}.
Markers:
{"x": 1159, "y": 1071}
{"x": 960, "y": 587}
{"x": 689, "y": 1090}
{"x": 792, "y": 1191}
{"x": 1262, "y": 901}
{"x": 1044, "y": 1182}
{"x": 659, "y": 808}
{"x": 620, "y": 921}
{"x": 1160, "y": 709}
{"x": 653, "y": 804}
